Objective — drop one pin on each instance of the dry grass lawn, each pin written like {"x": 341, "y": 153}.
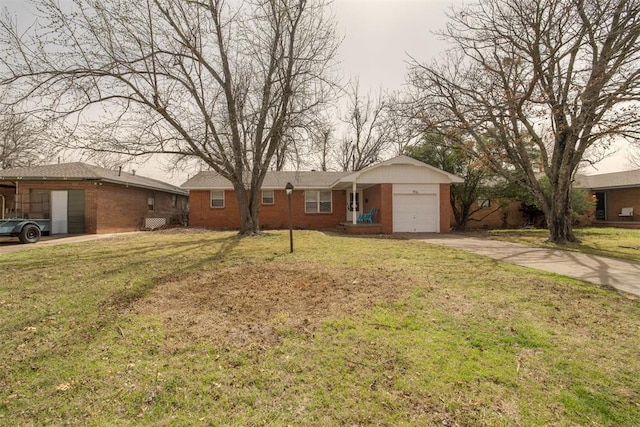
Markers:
{"x": 190, "y": 327}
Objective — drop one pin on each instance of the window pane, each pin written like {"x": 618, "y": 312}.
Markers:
{"x": 267, "y": 197}
{"x": 217, "y": 198}
{"x": 311, "y": 201}
{"x": 325, "y": 196}
{"x": 311, "y": 196}
{"x": 325, "y": 201}
{"x": 311, "y": 207}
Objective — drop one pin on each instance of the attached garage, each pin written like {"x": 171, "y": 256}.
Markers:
{"x": 408, "y": 196}
{"x": 416, "y": 208}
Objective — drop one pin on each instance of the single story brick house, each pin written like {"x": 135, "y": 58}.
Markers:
{"x": 617, "y": 196}
{"x": 408, "y": 195}
{"x": 83, "y": 198}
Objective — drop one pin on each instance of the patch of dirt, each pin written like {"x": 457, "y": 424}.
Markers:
{"x": 245, "y": 305}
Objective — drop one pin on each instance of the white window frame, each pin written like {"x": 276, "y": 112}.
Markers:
{"x": 484, "y": 203}
{"x": 273, "y": 197}
{"x": 221, "y": 196}
{"x": 151, "y": 203}
{"x": 317, "y": 195}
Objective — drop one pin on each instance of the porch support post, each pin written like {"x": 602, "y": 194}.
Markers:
{"x": 354, "y": 215}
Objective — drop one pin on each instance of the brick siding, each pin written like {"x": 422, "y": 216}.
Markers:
{"x": 276, "y": 215}
{"x": 111, "y": 208}
{"x": 623, "y": 198}
{"x": 273, "y": 216}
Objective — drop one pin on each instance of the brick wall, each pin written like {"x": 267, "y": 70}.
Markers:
{"x": 380, "y": 197}
{"x": 492, "y": 216}
{"x": 121, "y": 208}
{"x": 274, "y": 216}
{"x": 111, "y": 208}
{"x": 623, "y": 198}
{"x": 445, "y": 208}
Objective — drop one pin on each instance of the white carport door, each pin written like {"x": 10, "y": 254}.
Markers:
{"x": 415, "y": 209}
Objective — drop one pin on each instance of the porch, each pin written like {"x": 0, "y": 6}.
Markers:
{"x": 360, "y": 228}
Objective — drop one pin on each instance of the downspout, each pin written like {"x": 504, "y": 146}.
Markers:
{"x": 354, "y": 215}
{"x": 3, "y": 205}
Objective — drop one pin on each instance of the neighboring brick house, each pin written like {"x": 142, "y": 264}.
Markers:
{"x": 614, "y": 192}
{"x": 492, "y": 214}
{"x": 83, "y": 198}
{"x": 409, "y": 196}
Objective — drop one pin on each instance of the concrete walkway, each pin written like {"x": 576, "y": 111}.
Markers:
{"x": 12, "y": 244}
{"x": 622, "y": 275}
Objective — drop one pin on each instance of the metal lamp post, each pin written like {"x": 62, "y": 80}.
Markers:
{"x": 289, "y": 189}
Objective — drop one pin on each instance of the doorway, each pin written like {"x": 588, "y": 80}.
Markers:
{"x": 601, "y": 206}
{"x": 353, "y": 208}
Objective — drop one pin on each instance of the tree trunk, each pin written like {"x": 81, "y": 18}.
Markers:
{"x": 559, "y": 216}
{"x": 249, "y": 223}
{"x": 561, "y": 230}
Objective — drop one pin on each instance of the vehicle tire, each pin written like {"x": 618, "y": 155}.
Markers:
{"x": 30, "y": 234}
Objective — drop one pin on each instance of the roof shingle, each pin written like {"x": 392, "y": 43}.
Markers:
{"x": 609, "y": 180}
{"x": 272, "y": 180}
{"x": 82, "y": 171}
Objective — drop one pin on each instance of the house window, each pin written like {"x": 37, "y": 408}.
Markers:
{"x": 318, "y": 201}
{"x": 151, "y": 203}
{"x": 217, "y": 198}
{"x": 484, "y": 203}
{"x": 267, "y": 197}
{"x": 174, "y": 200}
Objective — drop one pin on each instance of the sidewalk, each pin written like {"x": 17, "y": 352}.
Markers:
{"x": 620, "y": 274}
{"x": 11, "y": 244}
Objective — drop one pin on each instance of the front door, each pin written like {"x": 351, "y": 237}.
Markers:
{"x": 601, "y": 205}
{"x": 353, "y": 208}
{"x": 59, "y": 212}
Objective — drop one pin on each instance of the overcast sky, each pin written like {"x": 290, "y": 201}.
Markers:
{"x": 379, "y": 36}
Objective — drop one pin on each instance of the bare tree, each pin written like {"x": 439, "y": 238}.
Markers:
{"x": 367, "y": 136}
{"x": 322, "y": 141}
{"x": 22, "y": 142}
{"x": 536, "y": 83}
{"x": 221, "y": 81}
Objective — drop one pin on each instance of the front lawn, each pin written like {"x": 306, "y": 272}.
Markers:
{"x": 610, "y": 242}
{"x": 194, "y": 328}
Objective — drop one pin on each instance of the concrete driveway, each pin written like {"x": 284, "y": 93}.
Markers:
{"x": 12, "y": 244}
{"x": 620, "y": 274}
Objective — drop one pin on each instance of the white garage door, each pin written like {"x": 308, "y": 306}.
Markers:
{"x": 415, "y": 211}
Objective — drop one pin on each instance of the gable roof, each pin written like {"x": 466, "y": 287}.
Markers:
{"x": 402, "y": 160}
{"x": 78, "y": 171}
{"x": 273, "y": 180}
{"x": 609, "y": 180}
{"x": 276, "y": 180}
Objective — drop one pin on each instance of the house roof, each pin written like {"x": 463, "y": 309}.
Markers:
{"x": 609, "y": 180}
{"x": 85, "y": 172}
{"x": 402, "y": 160}
{"x": 272, "y": 180}
{"x": 309, "y": 179}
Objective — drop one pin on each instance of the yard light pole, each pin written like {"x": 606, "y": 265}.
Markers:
{"x": 289, "y": 189}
